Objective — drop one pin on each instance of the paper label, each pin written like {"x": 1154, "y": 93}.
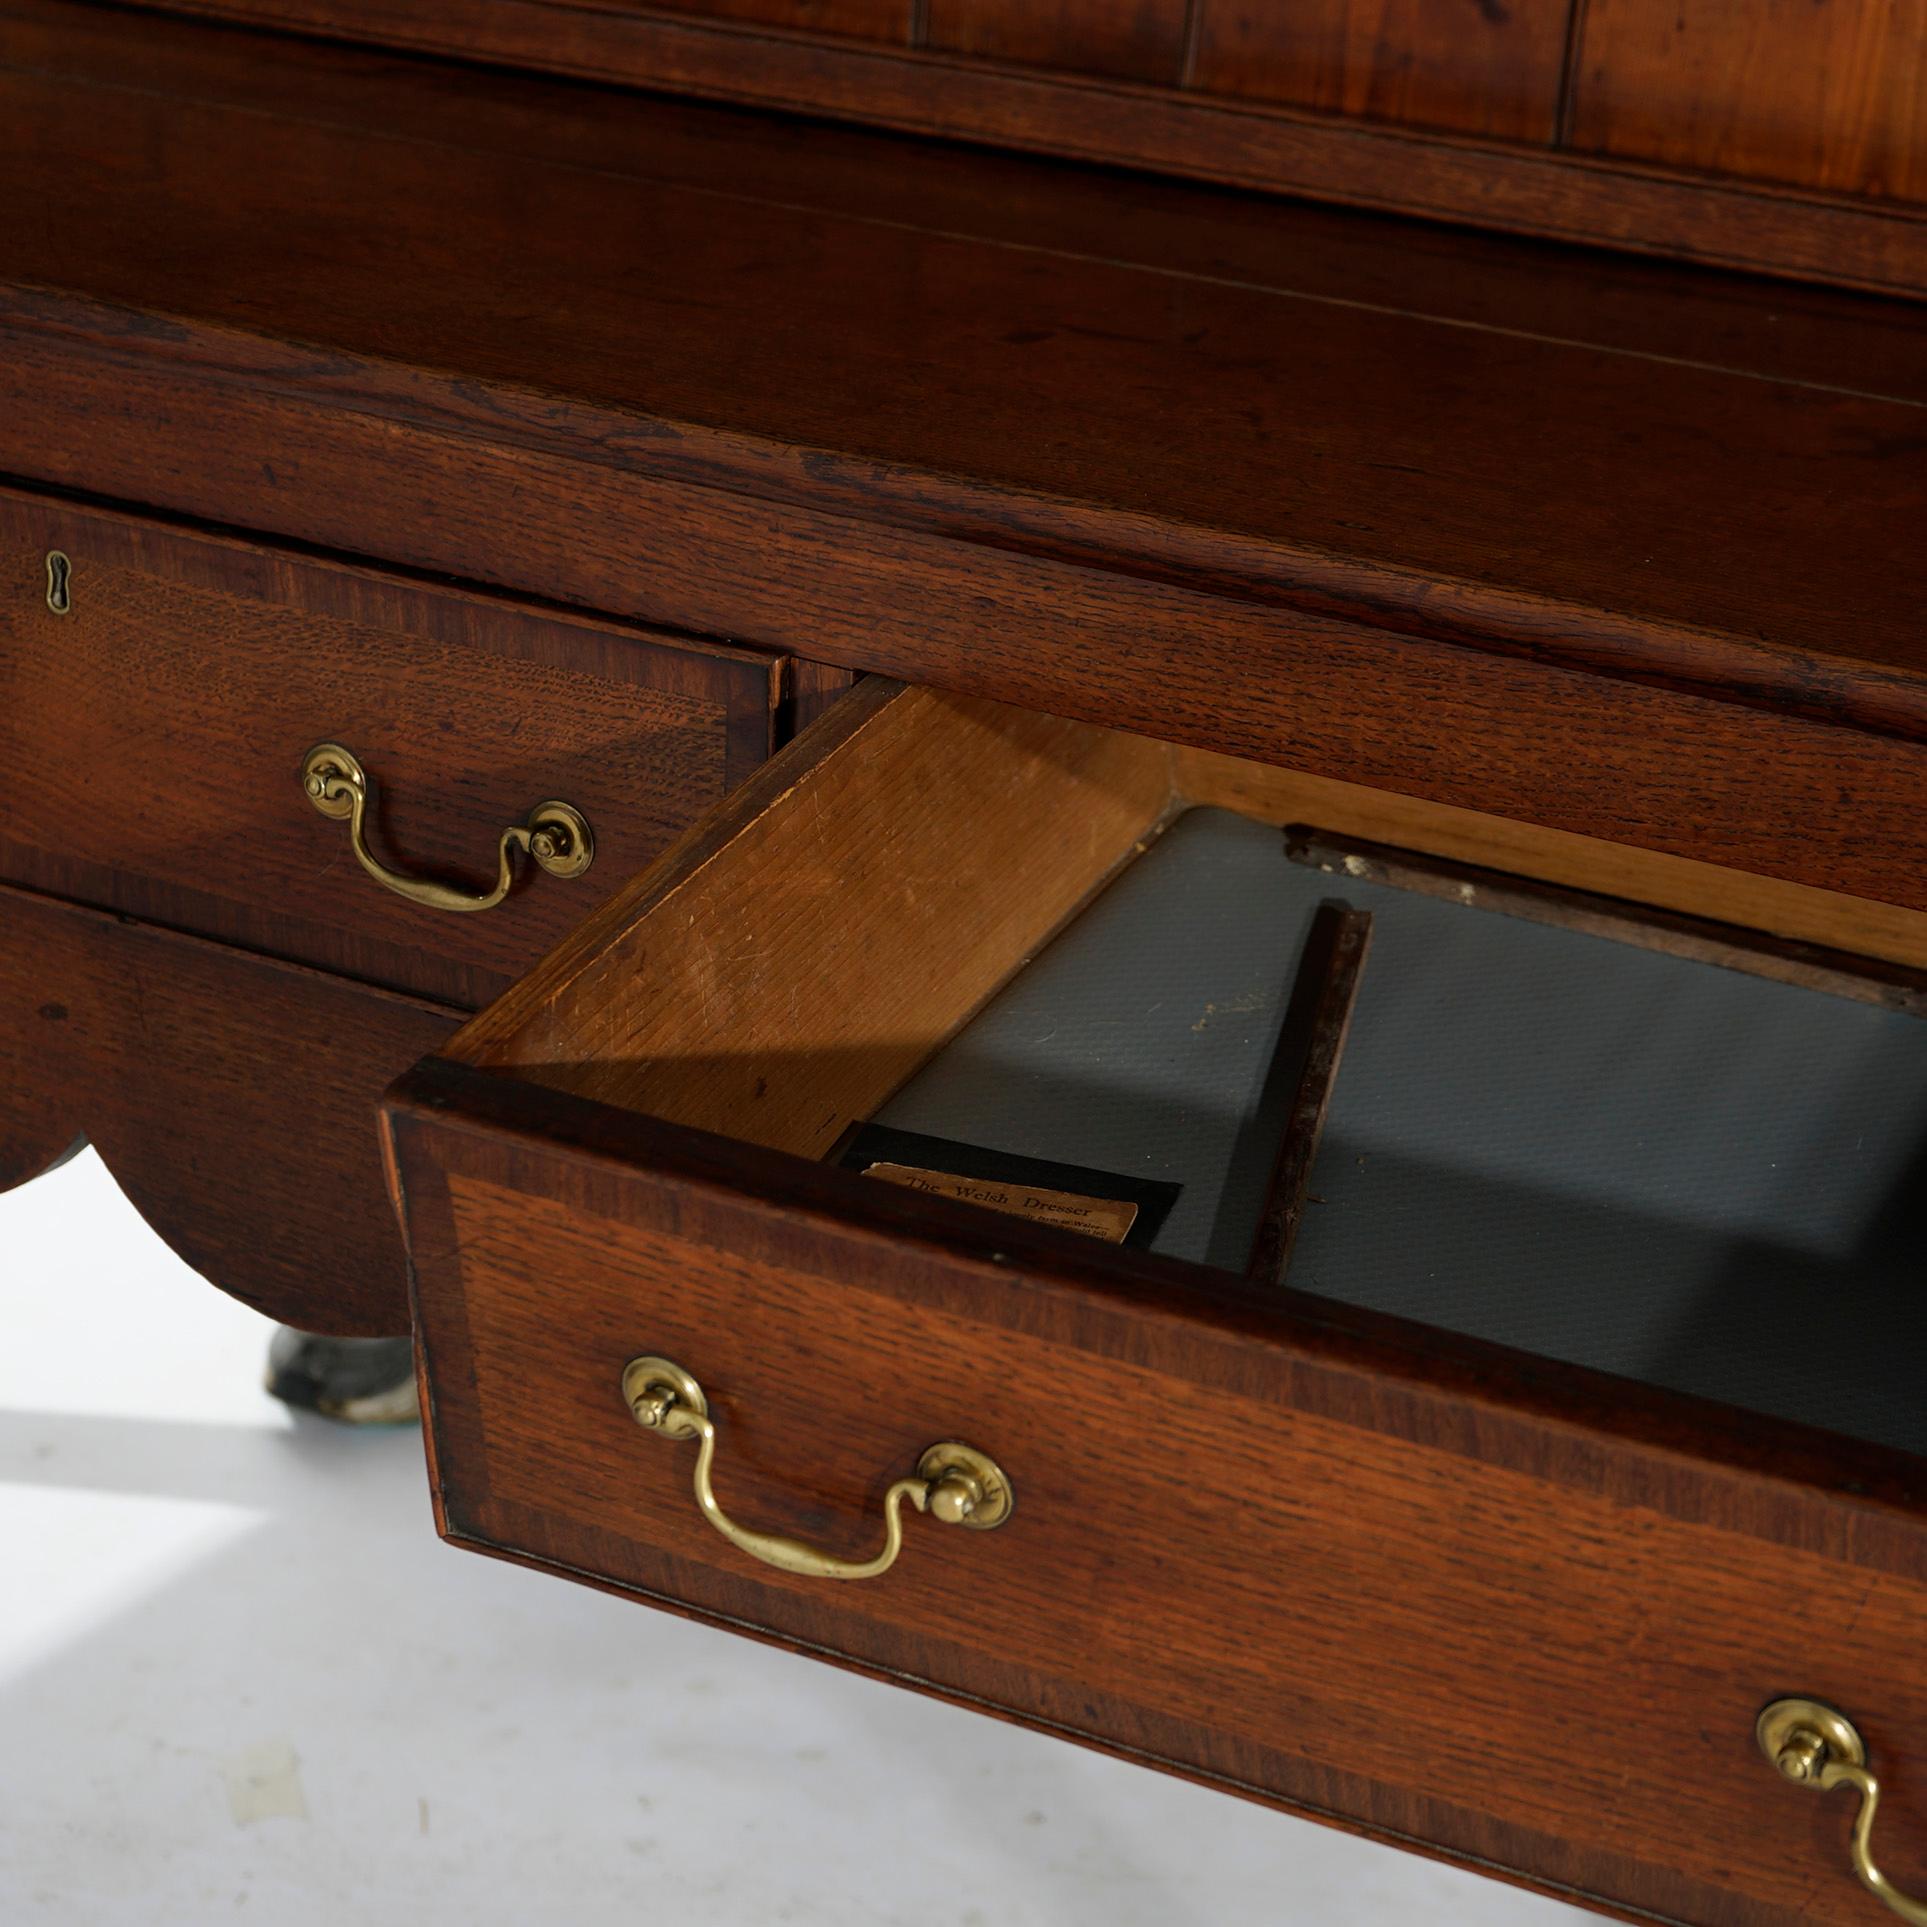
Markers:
{"x": 1108, "y": 1218}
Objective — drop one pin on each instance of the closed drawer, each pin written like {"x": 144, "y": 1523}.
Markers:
{"x": 1371, "y": 1567}
{"x": 154, "y": 736}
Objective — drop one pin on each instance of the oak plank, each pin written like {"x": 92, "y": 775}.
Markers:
{"x": 1492, "y": 70}
{"x": 1825, "y": 97}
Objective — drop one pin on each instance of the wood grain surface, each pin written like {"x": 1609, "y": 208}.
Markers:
{"x": 1438, "y": 534}
{"x": 1452, "y": 114}
{"x": 1311, "y": 1048}
{"x": 1439, "y": 1593}
{"x": 1244, "y": 424}
{"x": 1728, "y": 946}
{"x": 156, "y": 732}
{"x": 806, "y": 947}
{"x": 233, "y": 1098}
{"x": 1143, "y": 40}
{"x": 861, "y": 19}
{"x": 781, "y": 970}
{"x": 1420, "y": 1586}
{"x": 1494, "y": 70}
{"x": 1612, "y": 563}
{"x": 1827, "y": 97}
{"x": 1522, "y": 850}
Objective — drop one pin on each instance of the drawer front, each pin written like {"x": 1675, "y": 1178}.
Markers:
{"x": 1519, "y": 1611}
{"x": 1429, "y": 1592}
{"x": 154, "y": 735}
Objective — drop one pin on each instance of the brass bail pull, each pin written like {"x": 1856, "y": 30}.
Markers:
{"x": 555, "y": 834}
{"x": 954, "y": 1483}
{"x": 1814, "y": 1746}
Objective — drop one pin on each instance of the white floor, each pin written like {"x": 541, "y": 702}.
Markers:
{"x": 240, "y": 1679}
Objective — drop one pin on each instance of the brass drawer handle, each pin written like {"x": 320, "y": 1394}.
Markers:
{"x": 556, "y": 835}
{"x": 1814, "y": 1746}
{"x": 954, "y": 1483}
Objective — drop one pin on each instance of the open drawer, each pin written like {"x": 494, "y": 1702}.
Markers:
{"x": 1331, "y": 1547}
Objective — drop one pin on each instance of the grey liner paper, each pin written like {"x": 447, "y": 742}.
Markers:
{"x": 1650, "y": 1166}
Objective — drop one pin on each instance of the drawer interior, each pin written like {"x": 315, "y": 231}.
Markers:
{"x": 1692, "y": 1153}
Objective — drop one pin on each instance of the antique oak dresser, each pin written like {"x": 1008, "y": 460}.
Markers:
{"x": 589, "y": 591}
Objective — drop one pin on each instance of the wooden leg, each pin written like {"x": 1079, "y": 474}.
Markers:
{"x": 232, "y": 1097}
